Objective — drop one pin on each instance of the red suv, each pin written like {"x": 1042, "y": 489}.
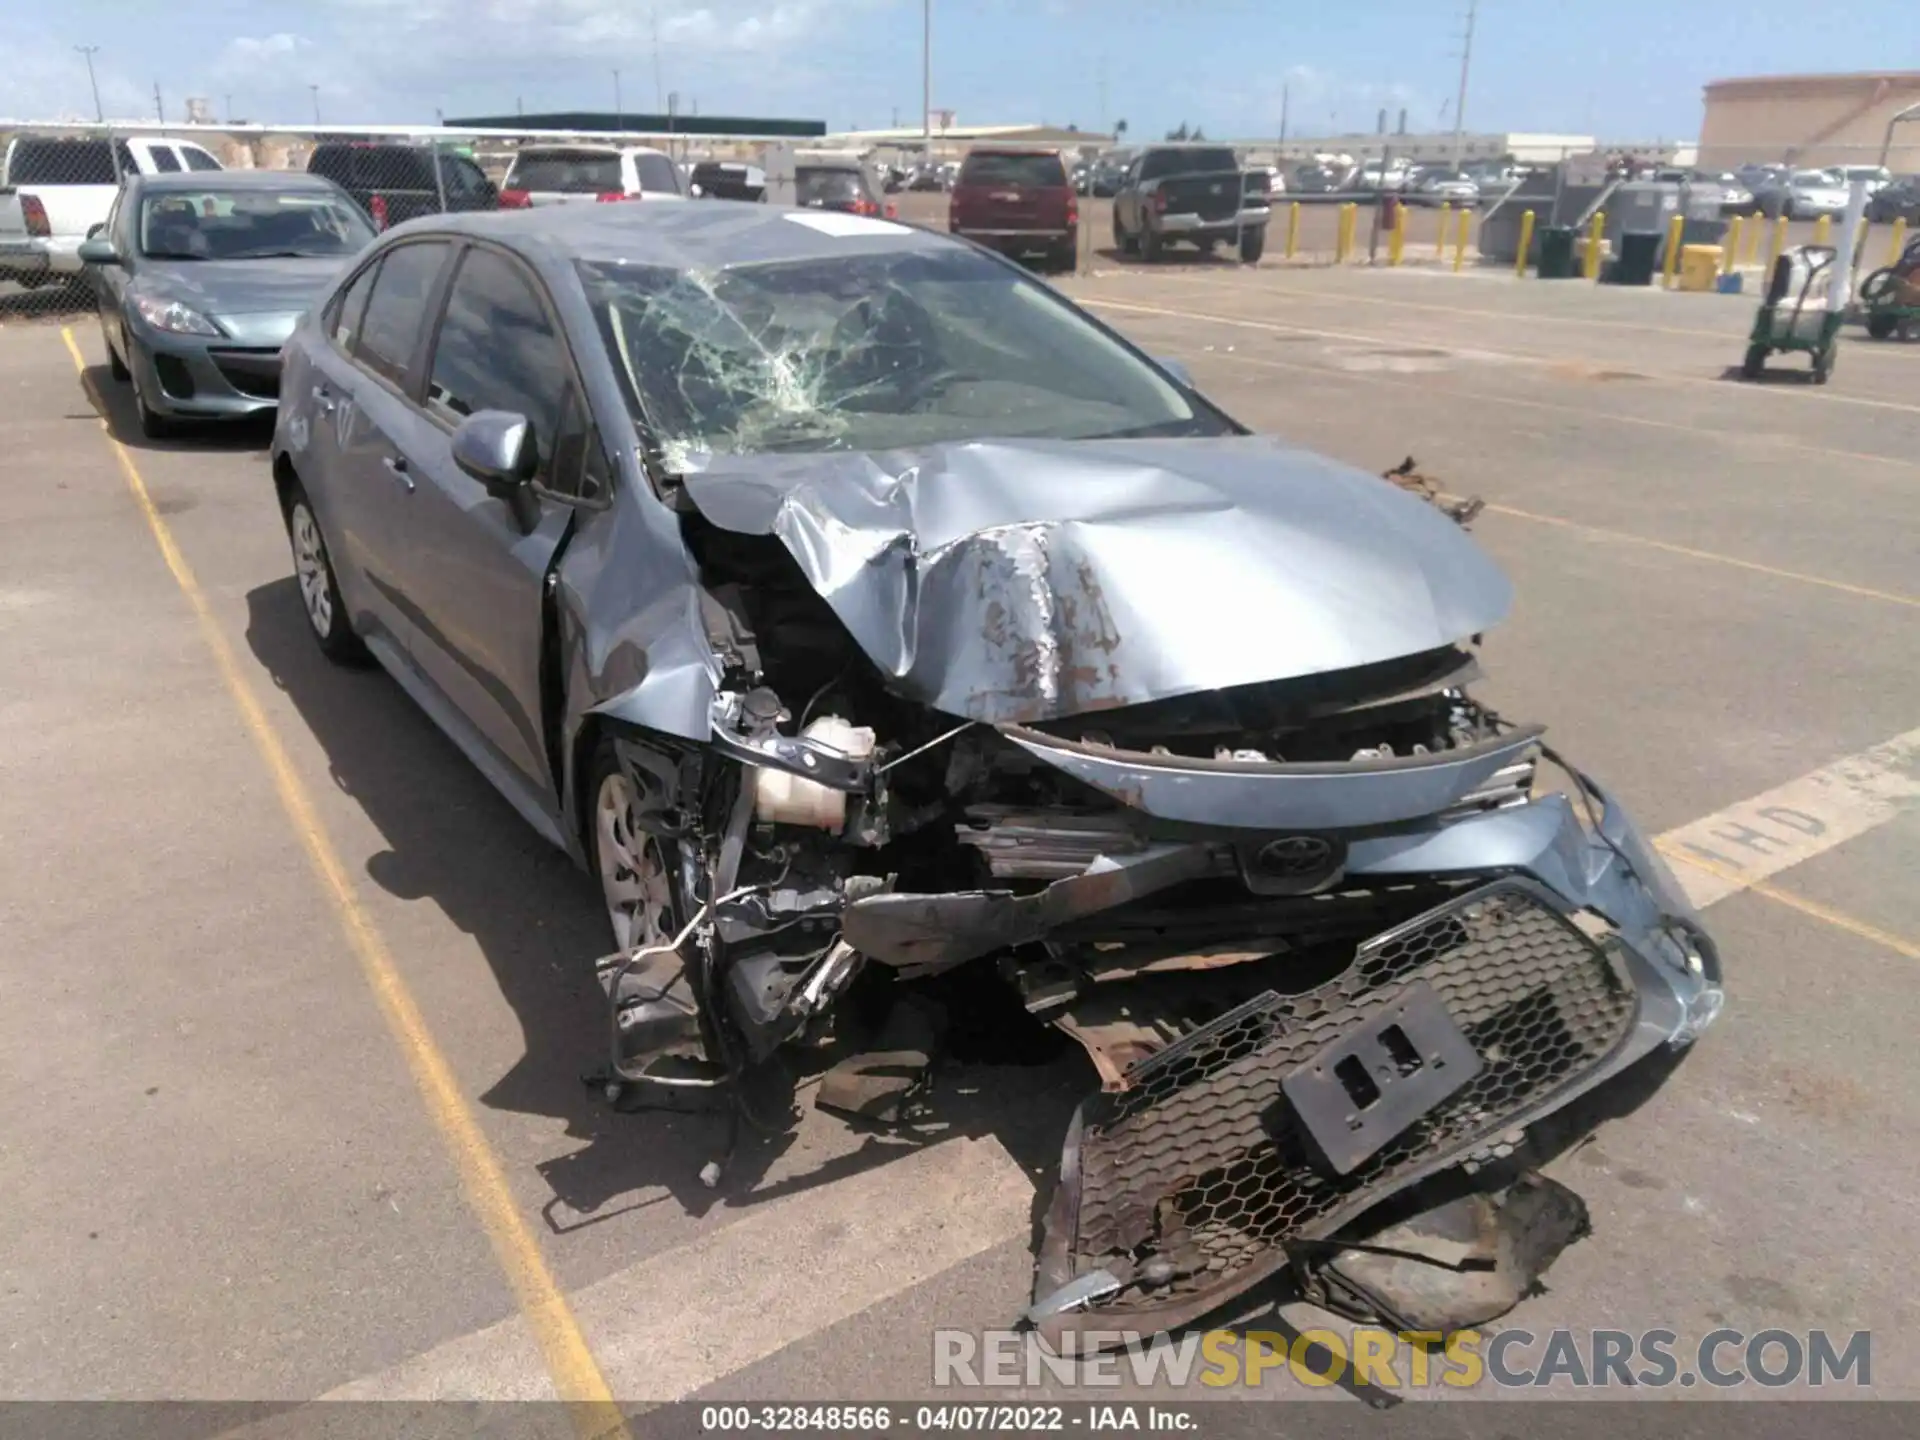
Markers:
{"x": 1019, "y": 202}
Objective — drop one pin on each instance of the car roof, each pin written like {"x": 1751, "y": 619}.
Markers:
{"x": 561, "y": 147}
{"x": 197, "y": 180}
{"x": 709, "y": 236}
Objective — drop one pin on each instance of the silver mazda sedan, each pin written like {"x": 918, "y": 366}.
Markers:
{"x": 879, "y": 626}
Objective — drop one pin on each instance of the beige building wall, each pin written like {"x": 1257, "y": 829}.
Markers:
{"x": 1810, "y": 120}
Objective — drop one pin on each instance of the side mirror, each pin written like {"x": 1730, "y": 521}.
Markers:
{"x": 96, "y": 251}
{"x": 497, "y": 448}
{"x": 1177, "y": 369}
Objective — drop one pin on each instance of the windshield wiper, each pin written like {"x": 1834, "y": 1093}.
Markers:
{"x": 172, "y": 255}
{"x": 280, "y": 255}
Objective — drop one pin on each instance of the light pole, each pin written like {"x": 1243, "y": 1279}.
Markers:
{"x": 1460, "y": 102}
{"x": 926, "y": 78}
{"x": 90, "y": 51}
{"x": 315, "y": 89}
{"x": 619, "y": 115}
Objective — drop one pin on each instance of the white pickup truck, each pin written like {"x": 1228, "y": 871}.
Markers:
{"x": 53, "y": 190}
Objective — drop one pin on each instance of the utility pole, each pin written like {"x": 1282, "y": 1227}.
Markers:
{"x": 229, "y": 109}
{"x": 1286, "y": 96}
{"x": 315, "y": 89}
{"x": 1460, "y": 101}
{"x": 926, "y": 78}
{"x": 1103, "y": 95}
{"x": 619, "y": 113}
{"x": 159, "y": 109}
{"x": 659, "y": 90}
{"x": 90, "y": 51}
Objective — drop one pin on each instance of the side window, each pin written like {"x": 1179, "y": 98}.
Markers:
{"x": 198, "y": 159}
{"x": 657, "y": 174}
{"x": 343, "y": 322}
{"x": 464, "y": 178}
{"x": 164, "y": 160}
{"x": 498, "y": 351}
{"x": 396, "y": 312}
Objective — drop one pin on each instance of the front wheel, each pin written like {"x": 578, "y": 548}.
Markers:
{"x": 1882, "y": 326}
{"x": 635, "y": 881}
{"x": 1253, "y": 244}
{"x": 116, "y": 367}
{"x": 319, "y": 587}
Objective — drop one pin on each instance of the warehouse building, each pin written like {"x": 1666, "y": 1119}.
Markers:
{"x": 1812, "y": 120}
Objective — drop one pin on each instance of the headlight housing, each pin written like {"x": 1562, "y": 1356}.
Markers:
{"x": 172, "y": 315}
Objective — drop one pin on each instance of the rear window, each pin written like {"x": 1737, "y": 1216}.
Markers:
{"x": 566, "y": 172}
{"x": 66, "y": 162}
{"x": 822, "y": 185}
{"x": 1200, "y": 160}
{"x": 658, "y": 175}
{"x": 1032, "y": 171}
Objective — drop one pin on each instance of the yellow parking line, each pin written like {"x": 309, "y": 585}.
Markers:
{"x": 1610, "y": 417}
{"x": 1529, "y": 357}
{"x": 1715, "y": 556}
{"x": 576, "y": 1375}
{"x": 1838, "y": 919}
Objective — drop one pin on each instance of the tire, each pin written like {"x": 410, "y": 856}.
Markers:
{"x": 319, "y": 587}
{"x": 1881, "y": 282}
{"x": 1755, "y": 364}
{"x": 1823, "y": 364}
{"x": 117, "y": 367}
{"x": 1125, "y": 243}
{"x": 1065, "y": 260}
{"x": 1881, "y": 327}
{"x": 637, "y": 885}
{"x": 153, "y": 424}
{"x": 1253, "y": 244}
{"x": 1151, "y": 250}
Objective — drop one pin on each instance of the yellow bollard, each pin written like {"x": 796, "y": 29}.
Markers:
{"x": 1397, "y": 237}
{"x": 1779, "y": 245}
{"x": 1440, "y": 237}
{"x": 1672, "y": 267}
{"x": 1343, "y": 238}
{"x": 1293, "y": 229}
{"x": 1460, "y": 240}
{"x": 1526, "y": 244}
{"x": 1732, "y": 248}
{"x": 1899, "y": 242}
{"x": 1596, "y": 234}
{"x": 1823, "y": 230}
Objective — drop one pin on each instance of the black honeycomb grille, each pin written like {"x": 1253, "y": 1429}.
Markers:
{"x": 1201, "y": 1165}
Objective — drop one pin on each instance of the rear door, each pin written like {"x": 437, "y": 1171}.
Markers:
{"x": 476, "y": 576}
{"x": 368, "y": 388}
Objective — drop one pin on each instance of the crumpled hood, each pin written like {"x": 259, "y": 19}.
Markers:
{"x": 1014, "y": 581}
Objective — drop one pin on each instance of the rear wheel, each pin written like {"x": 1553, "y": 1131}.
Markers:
{"x": 1755, "y": 364}
{"x": 1253, "y": 244}
{"x": 1823, "y": 364}
{"x": 1125, "y": 243}
{"x": 1150, "y": 249}
{"x": 319, "y": 589}
{"x": 1882, "y": 326}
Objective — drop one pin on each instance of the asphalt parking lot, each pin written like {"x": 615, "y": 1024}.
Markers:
{"x": 297, "y": 1099}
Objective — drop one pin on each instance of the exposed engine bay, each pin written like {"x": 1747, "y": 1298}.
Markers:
{"x": 1323, "y": 937}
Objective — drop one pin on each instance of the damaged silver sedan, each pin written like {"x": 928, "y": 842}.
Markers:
{"x": 861, "y": 611}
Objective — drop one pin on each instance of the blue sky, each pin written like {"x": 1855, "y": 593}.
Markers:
{"x": 1623, "y": 69}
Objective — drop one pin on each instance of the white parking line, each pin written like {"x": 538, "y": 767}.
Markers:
{"x": 686, "y": 1317}
{"x": 1757, "y": 838}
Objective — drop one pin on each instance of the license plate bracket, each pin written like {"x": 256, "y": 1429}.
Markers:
{"x": 1366, "y": 1087}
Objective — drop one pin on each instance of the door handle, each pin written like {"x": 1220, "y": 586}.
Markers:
{"x": 397, "y": 467}
{"x": 323, "y": 397}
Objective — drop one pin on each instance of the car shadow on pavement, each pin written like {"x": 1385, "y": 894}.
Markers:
{"x": 537, "y": 920}
{"x": 112, "y": 400}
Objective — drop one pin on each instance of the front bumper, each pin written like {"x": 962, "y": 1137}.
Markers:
{"x": 1575, "y": 962}
{"x": 203, "y": 377}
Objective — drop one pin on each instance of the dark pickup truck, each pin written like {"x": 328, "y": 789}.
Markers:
{"x": 394, "y": 183}
{"x": 1195, "y": 193}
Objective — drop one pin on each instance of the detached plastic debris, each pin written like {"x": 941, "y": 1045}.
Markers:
{"x": 1462, "y": 510}
{"x": 1460, "y": 1264}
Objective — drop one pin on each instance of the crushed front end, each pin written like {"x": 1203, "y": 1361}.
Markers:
{"x": 1332, "y": 941}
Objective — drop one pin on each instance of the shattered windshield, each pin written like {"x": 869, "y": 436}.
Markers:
{"x": 871, "y": 352}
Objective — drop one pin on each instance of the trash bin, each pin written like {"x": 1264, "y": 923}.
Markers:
{"x": 1639, "y": 259}
{"x": 1556, "y": 253}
